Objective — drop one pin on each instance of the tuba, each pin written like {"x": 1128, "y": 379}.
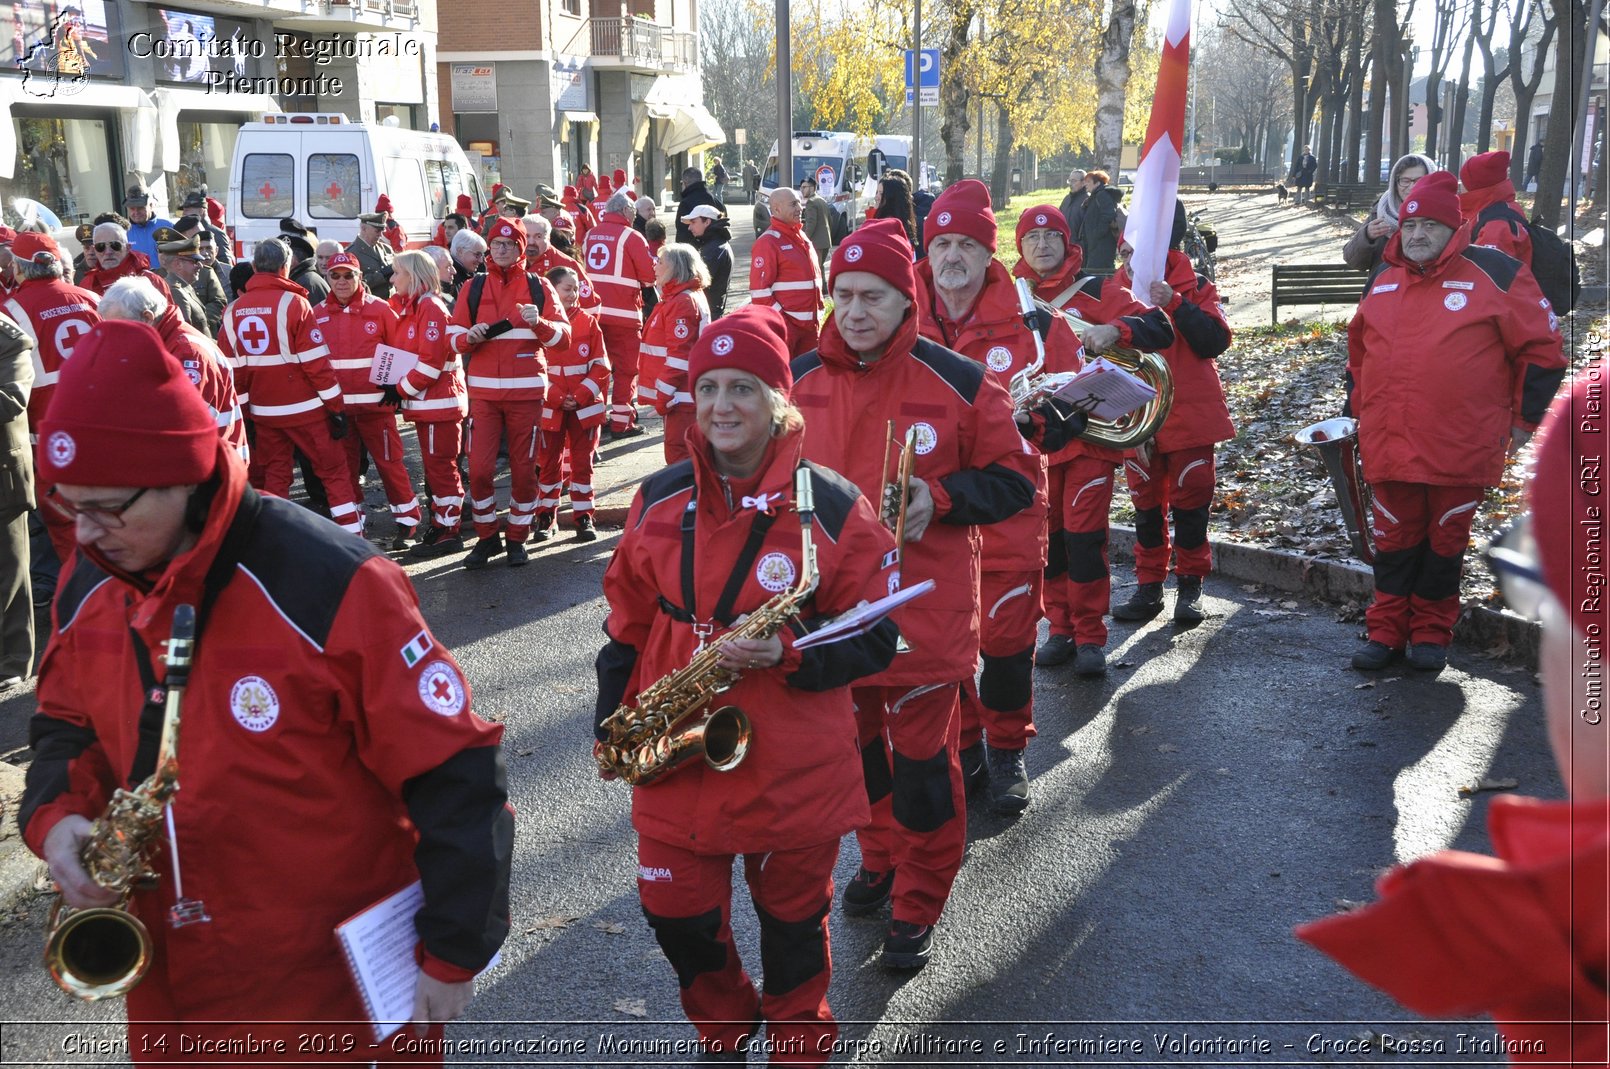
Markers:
{"x": 1029, "y": 387}
{"x": 1336, "y": 442}
{"x": 104, "y": 951}
{"x": 663, "y": 731}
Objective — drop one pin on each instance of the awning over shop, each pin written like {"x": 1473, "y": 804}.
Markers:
{"x": 136, "y": 113}
{"x": 692, "y": 128}
{"x": 579, "y": 116}
{"x": 170, "y": 102}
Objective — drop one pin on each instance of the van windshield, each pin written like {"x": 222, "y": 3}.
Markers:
{"x": 827, "y": 170}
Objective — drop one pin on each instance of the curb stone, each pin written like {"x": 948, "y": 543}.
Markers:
{"x": 1478, "y": 627}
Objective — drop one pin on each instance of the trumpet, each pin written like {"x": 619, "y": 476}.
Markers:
{"x": 1336, "y": 442}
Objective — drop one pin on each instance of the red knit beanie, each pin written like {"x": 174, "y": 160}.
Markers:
{"x": 1434, "y": 197}
{"x": 215, "y": 212}
{"x": 383, "y": 204}
{"x": 1568, "y": 516}
{"x": 1487, "y": 169}
{"x": 507, "y": 228}
{"x": 605, "y": 187}
{"x": 880, "y": 247}
{"x": 465, "y": 205}
{"x": 620, "y": 177}
{"x": 752, "y": 339}
{"x": 125, "y": 414}
{"x": 1042, "y": 217}
{"x": 962, "y": 209}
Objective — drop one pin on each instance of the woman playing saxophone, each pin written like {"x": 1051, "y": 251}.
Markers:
{"x": 711, "y": 542}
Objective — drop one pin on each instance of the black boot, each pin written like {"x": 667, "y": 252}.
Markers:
{"x": 1188, "y": 600}
{"x": 975, "y": 771}
{"x": 1145, "y": 603}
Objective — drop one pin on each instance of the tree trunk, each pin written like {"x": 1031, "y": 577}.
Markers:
{"x": 1559, "y": 173}
{"x": 1381, "y": 68}
{"x": 1362, "y": 164}
{"x": 1327, "y": 116}
{"x": 954, "y": 97}
{"x": 1302, "y": 107}
{"x": 1525, "y": 88}
{"x": 1112, "y": 81}
{"x": 1433, "y": 110}
{"x": 1461, "y": 102}
{"x": 1000, "y": 183}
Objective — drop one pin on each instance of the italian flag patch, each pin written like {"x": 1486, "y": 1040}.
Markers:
{"x": 416, "y": 649}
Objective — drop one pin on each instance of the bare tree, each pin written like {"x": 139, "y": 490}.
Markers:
{"x": 1492, "y": 73}
{"x": 1461, "y": 100}
{"x": 1559, "y": 173}
{"x": 954, "y": 95}
{"x": 735, "y": 39}
{"x": 1245, "y": 84}
{"x": 1112, "y": 81}
{"x": 1444, "y": 32}
{"x": 1531, "y": 34}
{"x": 1386, "y": 61}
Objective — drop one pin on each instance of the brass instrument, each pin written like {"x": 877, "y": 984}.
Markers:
{"x": 1336, "y": 442}
{"x": 105, "y": 951}
{"x": 661, "y": 732}
{"x": 1125, "y": 432}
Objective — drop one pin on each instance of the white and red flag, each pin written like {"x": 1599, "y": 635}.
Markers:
{"x": 1157, "y": 179}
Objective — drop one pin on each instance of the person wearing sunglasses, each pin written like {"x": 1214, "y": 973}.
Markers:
{"x": 112, "y": 258}
{"x": 1524, "y": 936}
{"x": 181, "y": 267}
{"x": 309, "y": 745}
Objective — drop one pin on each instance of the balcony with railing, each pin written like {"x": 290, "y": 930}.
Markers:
{"x": 639, "y": 44}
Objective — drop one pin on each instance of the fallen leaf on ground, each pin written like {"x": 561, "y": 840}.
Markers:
{"x": 1485, "y": 784}
{"x": 563, "y": 920}
{"x": 634, "y": 1006}
{"x": 1167, "y": 747}
{"x": 1141, "y": 730}
{"x": 609, "y": 928}
{"x": 1290, "y": 605}
{"x": 1123, "y": 664}
{"x": 1364, "y": 686}
{"x": 1347, "y": 905}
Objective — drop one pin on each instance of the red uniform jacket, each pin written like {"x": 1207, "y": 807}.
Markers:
{"x": 673, "y": 326}
{"x": 324, "y": 731}
{"x": 996, "y": 336}
{"x": 1493, "y": 217}
{"x": 512, "y": 366}
{"x": 587, "y": 296}
{"x": 1523, "y": 936}
{"x": 396, "y": 236}
{"x": 433, "y": 391}
{"x": 1101, "y": 300}
{"x": 1199, "y": 415}
{"x": 55, "y": 314}
{"x": 619, "y": 265}
{"x": 976, "y": 464}
{"x": 207, "y": 368}
{"x": 785, "y": 273}
{"x": 1443, "y": 359}
{"x": 353, "y": 331}
{"x": 580, "y": 370}
{"x": 135, "y": 263}
{"x": 801, "y": 783}
{"x": 282, "y": 366}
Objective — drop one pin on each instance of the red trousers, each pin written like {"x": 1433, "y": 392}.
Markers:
{"x": 623, "y": 339}
{"x": 802, "y": 334}
{"x": 687, "y": 898}
{"x": 581, "y": 441}
{"x": 678, "y": 418}
{"x": 910, "y": 753}
{"x": 1078, "y": 584}
{"x": 274, "y": 451}
{"x": 376, "y": 430}
{"x": 1180, "y": 483}
{"x": 490, "y": 423}
{"x": 439, "y": 445}
{"x": 1002, "y": 704}
{"x": 1421, "y": 534}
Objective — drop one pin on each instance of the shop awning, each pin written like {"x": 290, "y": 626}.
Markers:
{"x": 136, "y": 113}
{"x": 692, "y": 128}
{"x": 170, "y": 102}
{"x": 579, "y": 116}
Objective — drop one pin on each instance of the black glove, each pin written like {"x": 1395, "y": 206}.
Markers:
{"x": 391, "y": 397}
{"x": 338, "y": 424}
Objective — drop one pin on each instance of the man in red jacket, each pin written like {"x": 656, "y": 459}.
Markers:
{"x": 1488, "y": 208}
{"x": 355, "y": 323}
{"x": 785, "y": 273}
{"x": 972, "y": 308}
{"x": 111, "y": 257}
{"x": 318, "y": 700}
{"x": 503, "y": 325}
{"x": 621, "y": 271}
{"x": 1078, "y": 584}
{"x": 396, "y": 236}
{"x": 971, "y": 467}
{"x": 1452, "y": 356}
{"x": 285, "y": 383}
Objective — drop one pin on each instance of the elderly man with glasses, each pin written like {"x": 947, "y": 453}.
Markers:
{"x": 112, "y": 258}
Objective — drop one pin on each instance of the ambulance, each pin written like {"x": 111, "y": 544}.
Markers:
{"x": 836, "y": 160}
{"x": 325, "y": 170}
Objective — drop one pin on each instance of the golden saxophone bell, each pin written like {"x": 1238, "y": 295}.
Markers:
{"x": 97, "y": 953}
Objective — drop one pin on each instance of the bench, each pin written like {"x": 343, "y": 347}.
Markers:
{"x": 1296, "y": 284}
{"x": 1344, "y": 195}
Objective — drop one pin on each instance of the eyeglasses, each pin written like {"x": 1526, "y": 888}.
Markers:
{"x": 193, "y": 259}
{"x": 1512, "y": 556}
{"x": 348, "y": 275}
{"x": 505, "y": 246}
{"x": 109, "y": 517}
{"x": 108, "y": 246}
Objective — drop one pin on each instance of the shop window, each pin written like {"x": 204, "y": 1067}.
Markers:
{"x": 405, "y": 184}
{"x": 334, "y": 184}
{"x": 267, "y": 185}
{"x": 63, "y": 167}
{"x": 206, "y": 151}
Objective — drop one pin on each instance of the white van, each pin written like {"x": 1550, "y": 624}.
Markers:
{"x": 836, "y": 160}
{"x": 326, "y": 170}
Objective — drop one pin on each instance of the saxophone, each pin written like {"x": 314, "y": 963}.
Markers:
{"x": 663, "y": 731}
{"x": 105, "y": 951}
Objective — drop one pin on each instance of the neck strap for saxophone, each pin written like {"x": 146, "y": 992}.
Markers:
{"x": 688, "y": 612}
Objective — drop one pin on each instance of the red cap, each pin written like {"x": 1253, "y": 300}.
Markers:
{"x": 564, "y": 221}
{"x": 1042, "y": 217}
{"x": 878, "y": 246}
{"x": 1486, "y": 169}
{"x": 344, "y": 259}
{"x": 1566, "y": 494}
{"x": 1434, "y": 197}
{"x": 605, "y": 187}
{"x": 507, "y": 228}
{"x": 620, "y": 176}
{"x": 30, "y": 243}
{"x": 465, "y": 205}
{"x": 569, "y": 192}
{"x": 126, "y": 414}
{"x": 962, "y": 209}
{"x": 7, "y": 236}
{"x": 215, "y": 212}
{"x": 752, "y": 339}
{"x": 383, "y": 204}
